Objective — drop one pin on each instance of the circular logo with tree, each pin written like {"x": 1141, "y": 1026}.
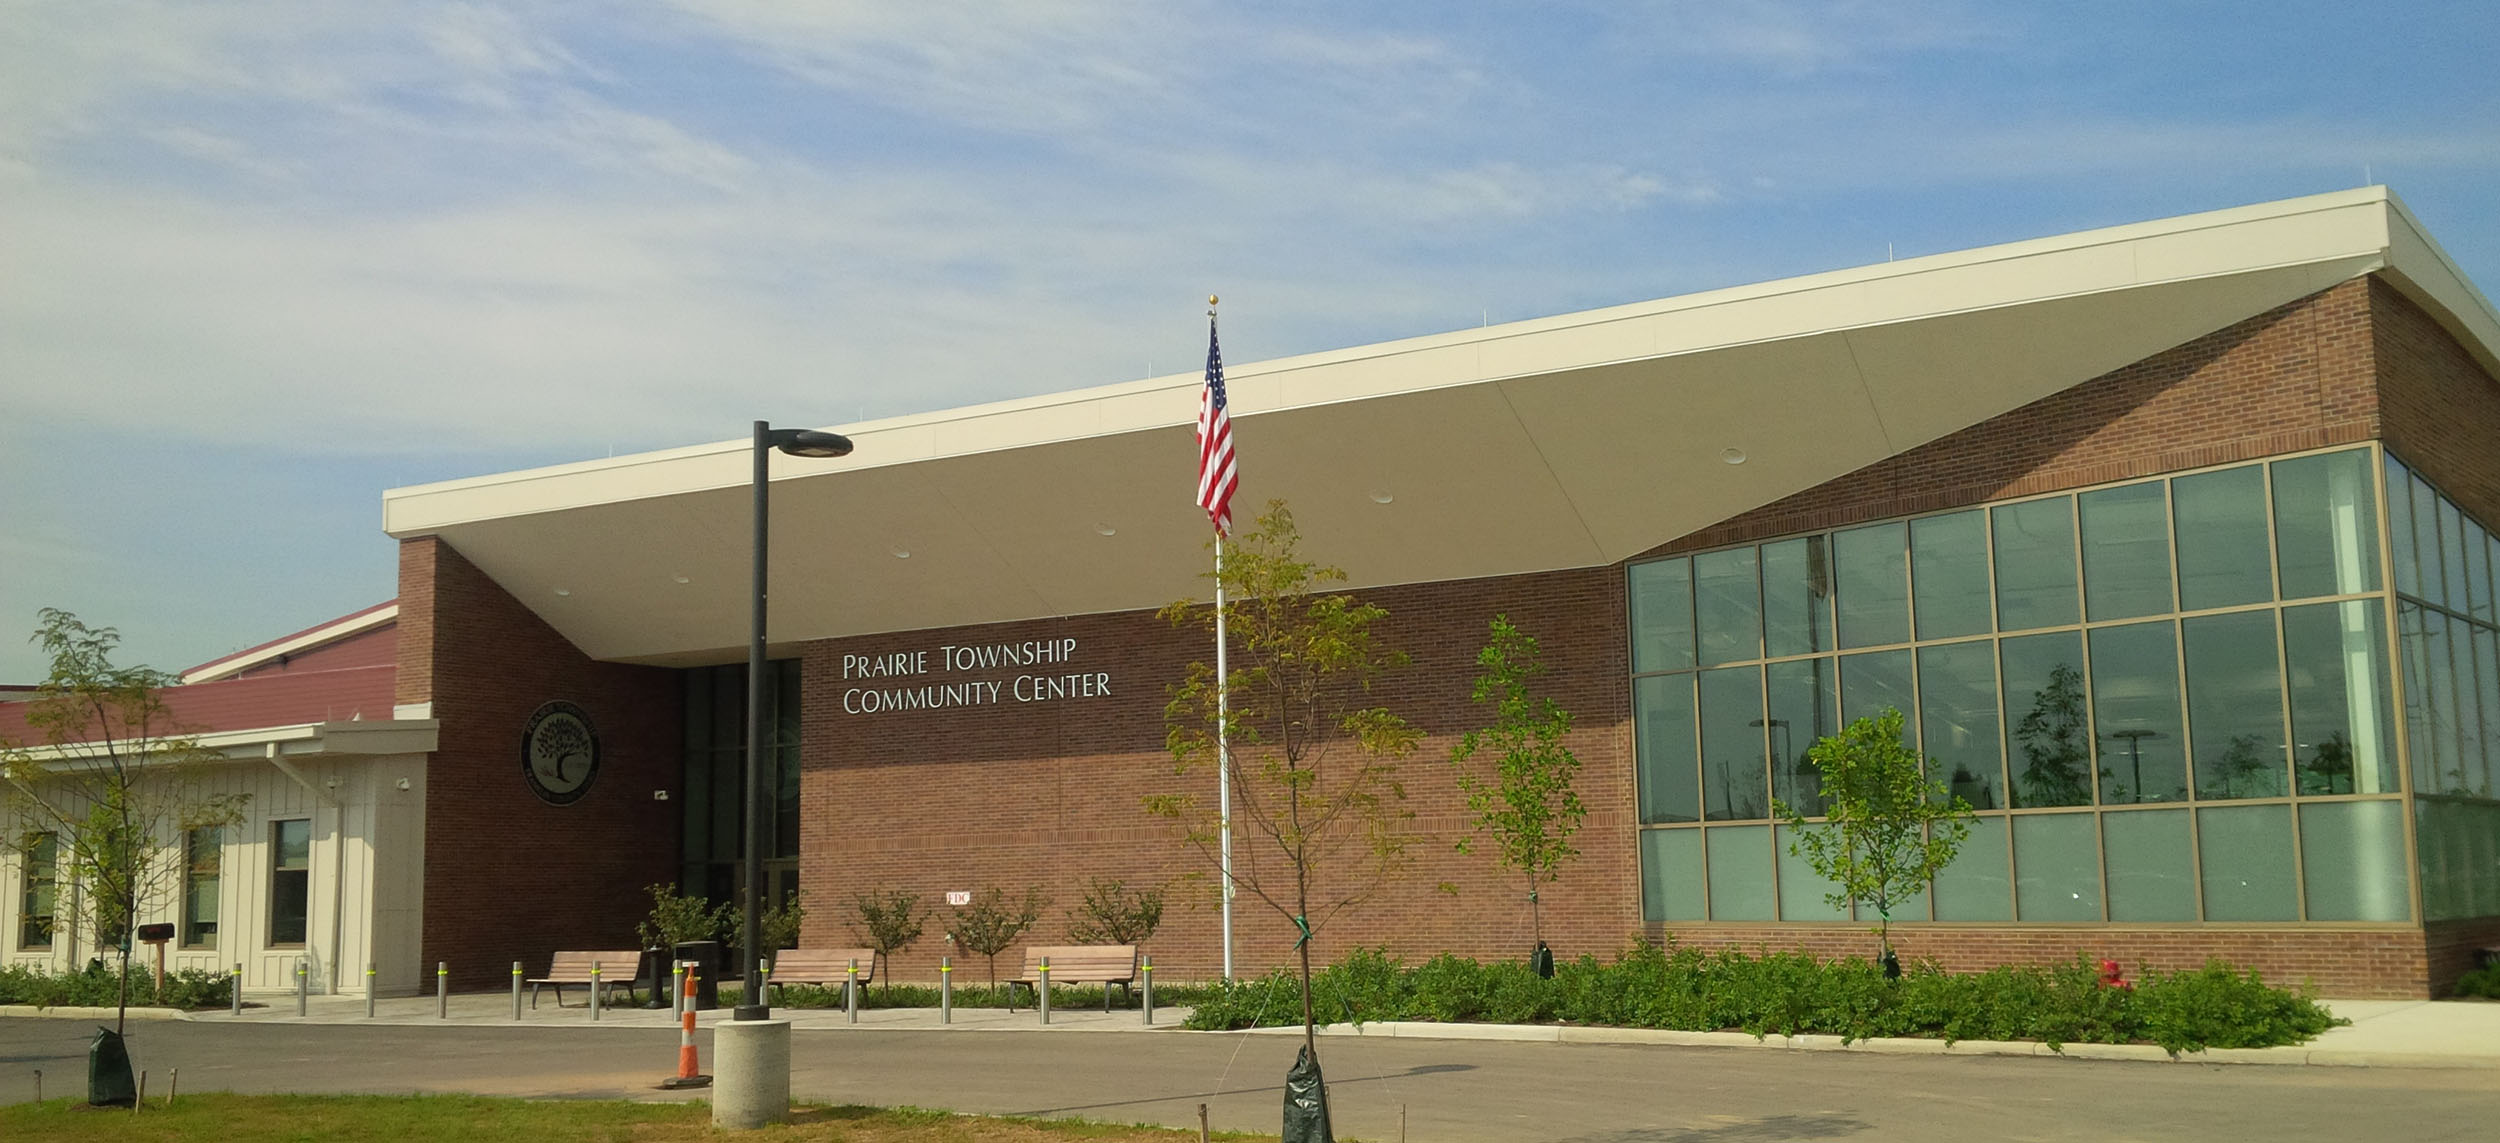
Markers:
{"x": 559, "y": 753}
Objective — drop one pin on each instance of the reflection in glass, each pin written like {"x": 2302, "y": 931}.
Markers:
{"x": 1873, "y": 569}
{"x": 1671, "y": 875}
{"x": 1804, "y": 894}
{"x": 1797, "y": 596}
{"x": 1662, "y": 721}
{"x": 2135, "y": 709}
{"x": 2477, "y": 571}
{"x": 1662, "y": 615}
{"x": 2222, "y": 538}
{"x": 2400, "y": 529}
{"x": 2466, "y": 774}
{"x": 1949, "y": 568}
{"x": 1957, "y": 699}
{"x": 2426, "y": 538}
{"x": 2459, "y": 846}
{"x": 2048, "y": 741}
{"x": 2247, "y": 857}
{"x": 1740, "y": 873}
{"x": 1733, "y": 787}
{"x": 1978, "y": 885}
{"x": 2152, "y": 865}
{"x": 1804, "y": 710}
{"x": 1875, "y": 682}
{"x": 2126, "y": 551}
{"x": 2439, "y": 655}
{"x": 2487, "y": 677}
{"x": 2235, "y": 705}
{"x": 2057, "y": 866}
{"x": 2336, "y": 657}
{"x": 2035, "y": 563}
{"x": 2413, "y": 651}
{"x": 2452, "y": 555}
{"x": 2352, "y": 861}
{"x": 1728, "y": 601}
{"x": 2326, "y": 524}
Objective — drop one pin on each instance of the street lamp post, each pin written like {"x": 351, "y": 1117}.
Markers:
{"x": 796, "y": 442}
{"x": 2135, "y": 756}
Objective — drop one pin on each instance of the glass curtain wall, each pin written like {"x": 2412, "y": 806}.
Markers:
{"x": 2450, "y": 652}
{"x": 714, "y": 833}
{"x": 2169, "y": 700}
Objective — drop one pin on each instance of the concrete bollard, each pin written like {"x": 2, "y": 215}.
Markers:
{"x": 237, "y": 998}
{"x": 1146, "y": 982}
{"x": 946, "y": 989}
{"x": 750, "y": 1073}
{"x": 370, "y": 969}
{"x": 850, "y": 993}
{"x": 516, "y": 990}
{"x": 594, "y": 990}
{"x": 442, "y": 990}
{"x": 303, "y": 987}
{"x": 1042, "y": 991}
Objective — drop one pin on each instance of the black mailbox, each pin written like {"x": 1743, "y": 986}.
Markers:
{"x": 156, "y": 934}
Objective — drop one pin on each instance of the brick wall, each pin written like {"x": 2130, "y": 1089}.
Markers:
{"x": 509, "y": 877}
{"x": 1052, "y": 793}
{"x": 2442, "y": 410}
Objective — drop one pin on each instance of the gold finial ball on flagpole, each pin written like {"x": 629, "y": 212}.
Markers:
{"x": 1210, "y": 299}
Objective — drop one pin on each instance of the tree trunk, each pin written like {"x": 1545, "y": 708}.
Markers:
{"x": 1536, "y": 912}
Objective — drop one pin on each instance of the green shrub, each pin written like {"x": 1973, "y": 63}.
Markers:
{"x": 184, "y": 988}
{"x": 2484, "y": 981}
{"x": 1788, "y": 993}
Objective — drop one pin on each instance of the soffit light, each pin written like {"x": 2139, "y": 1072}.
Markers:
{"x": 564, "y": 591}
{"x": 1105, "y": 530}
{"x": 1732, "y": 455}
{"x": 1381, "y": 496}
{"x": 902, "y": 553}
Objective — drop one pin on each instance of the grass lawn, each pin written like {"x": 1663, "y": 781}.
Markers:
{"x": 275, "y": 1118}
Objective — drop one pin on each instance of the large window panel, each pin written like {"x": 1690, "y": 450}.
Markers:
{"x": 2413, "y": 649}
{"x": 2439, "y": 651}
{"x": 2467, "y": 776}
{"x": 2152, "y": 865}
{"x": 2035, "y": 563}
{"x": 1878, "y": 681}
{"x": 1671, "y": 875}
{"x": 1804, "y": 709}
{"x": 2343, "y": 738}
{"x": 2487, "y": 682}
{"x": 1670, "y": 768}
{"x": 2452, "y": 560}
{"x": 2126, "y": 551}
{"x": 2478, "y": 572}
{"x": 290, "y": 880}
{"x": 1740, "y": 873}
{"x": 38, "y": 897}
{"x": 2408, "y": 562}
{"x": 1874, "y": 574}
{"x": 2221, "y": 525}
{"x": 2352, "y": 861}
{"x": 1957, "y": 701}
{"x": 2459, "y": 846}
{"x": 2048, "y": 739}
{"x": 203, "y": 860}
{"x": 2247, "y": 857}
{"x": 2326, "y": 524}
{"x": 2235, "y": 705}
{"x": 2426, "y": 541}
{"x": 1805, "y": 894}
{"x": 1978, "y": 885}
{"x": 1728, "y": 606}
{"x": 2057, "y": 867}
{"x": 1662, "y": 615}
{"x": 1734, "y": 783}
{"x": 1949, "y": 574}
{"x": 1797, "y": 596}
{"x": 2135, "y": 712}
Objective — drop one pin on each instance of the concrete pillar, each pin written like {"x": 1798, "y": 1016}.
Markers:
{"x": 750, "y": 1073}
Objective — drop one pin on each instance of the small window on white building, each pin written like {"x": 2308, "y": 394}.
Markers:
{"x": 40, "y": 892}
{"x": 290, "y": 880}
{"x": 202, "y": 862}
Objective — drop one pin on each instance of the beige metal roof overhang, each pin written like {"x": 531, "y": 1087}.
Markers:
{"x": 1571, "y": 441}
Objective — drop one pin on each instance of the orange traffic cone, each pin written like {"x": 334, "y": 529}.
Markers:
{"x": 689, "y": 1069}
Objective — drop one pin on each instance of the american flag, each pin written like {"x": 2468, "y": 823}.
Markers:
{"x": 1218, "y": 475}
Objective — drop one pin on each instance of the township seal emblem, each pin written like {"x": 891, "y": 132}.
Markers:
{"x": 559, "y": 753}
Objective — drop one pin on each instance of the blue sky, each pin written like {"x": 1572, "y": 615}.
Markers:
{"x": 259, "y": 262}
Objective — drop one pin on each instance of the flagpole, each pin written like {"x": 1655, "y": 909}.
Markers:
{"x": 1224, "y": 757}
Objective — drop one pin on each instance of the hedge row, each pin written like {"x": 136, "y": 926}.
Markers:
{"x": 1779, "y": 993}
{"x": 184, "y": 988}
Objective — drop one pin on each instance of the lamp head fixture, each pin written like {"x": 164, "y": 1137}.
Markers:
{"x": 810, "y": 443}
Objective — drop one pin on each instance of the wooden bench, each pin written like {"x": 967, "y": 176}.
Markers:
{"x": 1105, "y": 965}
{"x": 617, "y": 969}
{"x": 825, "y": 968}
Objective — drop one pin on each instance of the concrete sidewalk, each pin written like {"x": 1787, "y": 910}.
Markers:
{"x": 2383, "y": 1033}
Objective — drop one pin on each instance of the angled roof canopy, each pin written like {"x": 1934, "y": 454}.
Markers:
{"x": 1562, "y": 442}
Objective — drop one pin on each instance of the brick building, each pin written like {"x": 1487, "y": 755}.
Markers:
{"x": 2173, "y": 542}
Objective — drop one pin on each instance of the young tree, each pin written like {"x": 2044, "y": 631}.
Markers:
{"x": 2057, "y": 761}
{"x": 1526, "y": 801}
{"x": 991, "y": 923}
{"x": 1313, "y": 763}
{"x": 1113, "y": 914}
{"x": 889, "y": 921}
{"x": 115, "y": 783}
{"x": 1887, "y": 829}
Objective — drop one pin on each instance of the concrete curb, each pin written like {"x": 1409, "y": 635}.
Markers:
{"x": 74, "y": 1012}
{"x": 2295, "y": 1055}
